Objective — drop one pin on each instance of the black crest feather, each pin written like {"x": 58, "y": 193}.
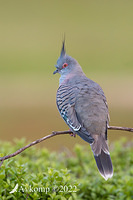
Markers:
{"x": 63, "y": 52}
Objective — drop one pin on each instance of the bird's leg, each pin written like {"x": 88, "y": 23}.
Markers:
{"x": 72, "y": 134}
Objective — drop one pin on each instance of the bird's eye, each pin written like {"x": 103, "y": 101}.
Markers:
{"x": 64, "y": 65}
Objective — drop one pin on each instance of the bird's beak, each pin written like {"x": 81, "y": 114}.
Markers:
{"x": 56, "y": 71}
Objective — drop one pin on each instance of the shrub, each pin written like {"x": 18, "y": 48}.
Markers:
{"x": 40, "y": 174}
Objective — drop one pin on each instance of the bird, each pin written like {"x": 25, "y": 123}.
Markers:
{"x": 83, "y": 106}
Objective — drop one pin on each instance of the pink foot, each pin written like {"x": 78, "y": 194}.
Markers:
{"x": 72, "y": 134}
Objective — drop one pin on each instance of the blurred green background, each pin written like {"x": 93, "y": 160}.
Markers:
{"x": 99, "y": 34}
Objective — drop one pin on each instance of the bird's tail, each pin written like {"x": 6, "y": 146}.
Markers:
{"x": 104, "y": 165}
{"x": 102, "y": 157}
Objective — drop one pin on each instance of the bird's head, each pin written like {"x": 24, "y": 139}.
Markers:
{"x": 65, "y": 63}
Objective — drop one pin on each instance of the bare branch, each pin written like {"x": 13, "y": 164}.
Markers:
{"x": 120, "y": 128}
{"x": 51, "y": 135}
{"x": 33, "y": 143}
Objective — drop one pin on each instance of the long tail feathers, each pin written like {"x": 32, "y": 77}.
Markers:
{"x": 100, "y": 150}
{"x": 104, "y": 165}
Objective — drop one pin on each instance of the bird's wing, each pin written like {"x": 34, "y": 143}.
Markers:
{"x": 66, "y": 98}
{"x": 101, "y": 93}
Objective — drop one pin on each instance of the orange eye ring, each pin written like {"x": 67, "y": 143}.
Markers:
{"x": 64, "y": 65}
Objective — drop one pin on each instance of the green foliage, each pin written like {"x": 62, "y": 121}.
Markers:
{"x": 40, "y": 174}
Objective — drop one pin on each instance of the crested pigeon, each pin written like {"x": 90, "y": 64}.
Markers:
{"x": 83, "y": 106}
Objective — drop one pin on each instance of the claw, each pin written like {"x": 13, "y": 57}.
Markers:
{"x": 72, "y": 134}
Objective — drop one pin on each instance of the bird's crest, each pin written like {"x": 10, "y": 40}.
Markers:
{"x": 63, "y": 52}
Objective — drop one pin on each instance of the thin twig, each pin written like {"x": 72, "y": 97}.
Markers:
{"x": 51, "y": 135}
{"x": 120, "y": 128}
{"x": 31, "y": 144}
